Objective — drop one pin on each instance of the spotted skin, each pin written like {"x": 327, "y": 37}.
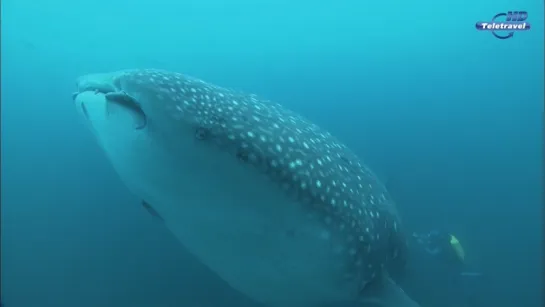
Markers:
{"x": 305, "y": 163}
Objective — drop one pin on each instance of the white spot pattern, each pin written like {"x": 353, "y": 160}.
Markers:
{"x": 306, "y": 161}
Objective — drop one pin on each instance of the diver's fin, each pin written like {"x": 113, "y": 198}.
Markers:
{"x": 384, "y": 292}
{"x": 152, "y": 211}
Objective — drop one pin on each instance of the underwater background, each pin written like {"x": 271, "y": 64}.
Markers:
{"x": 450, "y": 117}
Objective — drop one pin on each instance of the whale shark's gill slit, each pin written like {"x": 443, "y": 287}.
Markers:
{"x": 345, "y": 160}
{"x": 292, "y": 183}
{"x": 252, "y": 156}
{"x": 349, "y": 165}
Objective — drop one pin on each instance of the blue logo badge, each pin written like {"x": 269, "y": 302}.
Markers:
{"x": 511, "y": 21}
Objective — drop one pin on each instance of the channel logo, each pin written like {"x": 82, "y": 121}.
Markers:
{"x": 512, "y": 21}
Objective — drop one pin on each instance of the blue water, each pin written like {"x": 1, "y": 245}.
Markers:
{"x": 451, "y": 117}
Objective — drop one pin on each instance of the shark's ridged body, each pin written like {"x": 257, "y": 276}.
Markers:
{"x": 306, "y": 198}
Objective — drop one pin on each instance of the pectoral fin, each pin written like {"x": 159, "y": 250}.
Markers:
{"x": 152, "y": 211}
{"x": 384, "y": 292}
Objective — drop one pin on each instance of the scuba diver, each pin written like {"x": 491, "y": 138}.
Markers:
{"x": 442, "y": 245}
{"x": 447, "y": 248}
{"x": 443, "y": 255}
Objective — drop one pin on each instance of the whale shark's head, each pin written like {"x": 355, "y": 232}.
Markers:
{"x": 136, "y": 118}
{"x": 128, "y": 104}
{"x": 133, "y": 111}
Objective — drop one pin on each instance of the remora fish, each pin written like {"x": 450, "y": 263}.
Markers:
{"x": 276, "y": 206}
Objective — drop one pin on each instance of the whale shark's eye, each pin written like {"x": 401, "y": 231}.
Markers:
{"x": 201, "y": 133}
{"x": 242, "y": 155}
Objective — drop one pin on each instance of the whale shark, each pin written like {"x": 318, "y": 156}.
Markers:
{"x": 276, "y": 206}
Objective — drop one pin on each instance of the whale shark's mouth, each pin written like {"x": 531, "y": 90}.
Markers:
{"x": 112, "y": 96}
